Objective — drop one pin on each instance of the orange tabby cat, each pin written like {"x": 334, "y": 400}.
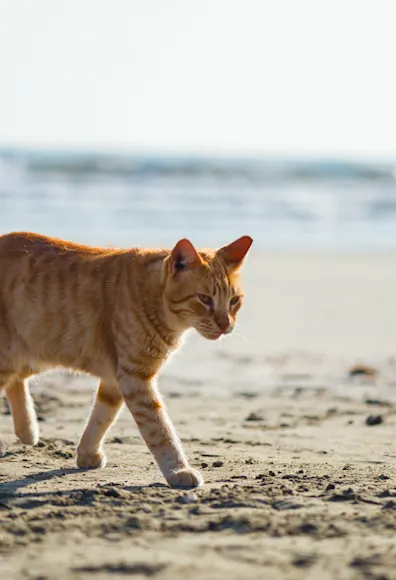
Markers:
{"x": 116, "y": 314}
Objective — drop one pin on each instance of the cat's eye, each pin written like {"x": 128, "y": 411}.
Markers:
{"x": 205, "y": 299}
{"x": 235, "y": 300}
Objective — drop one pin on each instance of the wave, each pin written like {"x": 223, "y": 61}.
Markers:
{"x": 219, "y": 168}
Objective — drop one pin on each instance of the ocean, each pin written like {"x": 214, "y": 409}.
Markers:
{"x": 126, "y": 200}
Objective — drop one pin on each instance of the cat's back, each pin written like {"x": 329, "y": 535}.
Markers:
{"x": 24, "y": 252}
{"x": 53, "y": 296}
{"x": 19, "y": 244}
{"x": 33, "y": 263}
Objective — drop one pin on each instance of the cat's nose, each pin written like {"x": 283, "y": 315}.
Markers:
{"x": 224, "y": 323}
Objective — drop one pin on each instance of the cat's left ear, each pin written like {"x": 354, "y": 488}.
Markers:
{"x": 184, "y": 256}
{"x": 234, "y": 253}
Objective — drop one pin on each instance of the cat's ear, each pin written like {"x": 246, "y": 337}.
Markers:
{"x": 184, "y": 256}
{"x": 234, "y": 253}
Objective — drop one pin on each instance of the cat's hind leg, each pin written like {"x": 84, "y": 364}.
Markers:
{"x": 22, "y": 408}
{"x": 108, "y": 403}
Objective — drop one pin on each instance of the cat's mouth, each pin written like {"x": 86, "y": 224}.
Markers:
{"x": 211, "y": 334}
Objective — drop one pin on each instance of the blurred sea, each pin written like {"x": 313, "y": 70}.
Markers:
{"x": 123, "y": 200}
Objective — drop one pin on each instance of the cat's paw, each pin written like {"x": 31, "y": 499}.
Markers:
{"x": 91, "y": 460}
{"x": 2, "y": 449}
{"x": 185, "y": 478}
{"x": 29, "y": 435}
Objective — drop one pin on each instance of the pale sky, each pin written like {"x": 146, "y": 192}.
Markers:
{"x": 271, "y": 77}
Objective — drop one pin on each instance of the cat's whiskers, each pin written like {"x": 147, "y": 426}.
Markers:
{"x": 238, "y": 329}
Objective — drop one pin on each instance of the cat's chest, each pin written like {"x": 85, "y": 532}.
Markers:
{"x": 136, "y": 332}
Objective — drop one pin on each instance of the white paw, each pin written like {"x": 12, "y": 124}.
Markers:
{"x": 2, "y": 449}
{"x": 91, "y": 460}
{"x": 187, "y": 477}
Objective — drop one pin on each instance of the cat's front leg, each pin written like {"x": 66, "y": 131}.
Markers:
{"x": 148, "y": 410}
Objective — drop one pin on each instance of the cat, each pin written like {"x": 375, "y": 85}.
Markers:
{"x": 117, "y": 315}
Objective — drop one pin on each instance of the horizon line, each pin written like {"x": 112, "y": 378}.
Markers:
{"x": 200, "y": 154}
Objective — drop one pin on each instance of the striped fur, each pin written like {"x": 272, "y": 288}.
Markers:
{"x": 116, "y": 314}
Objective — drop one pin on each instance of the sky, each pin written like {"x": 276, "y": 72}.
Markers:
{"x": 225, "y": 77}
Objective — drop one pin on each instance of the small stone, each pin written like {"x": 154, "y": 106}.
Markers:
{"x": 374, "y": 420}
{"x": 218, "y": 463}
{"x": 362, "y": 371}
{"x": 254, "y": 417}
{"x": 378, "y": 402}
{"x": 204, "y": 465}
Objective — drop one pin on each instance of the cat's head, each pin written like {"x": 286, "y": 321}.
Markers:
{"x": 203, "y": 289}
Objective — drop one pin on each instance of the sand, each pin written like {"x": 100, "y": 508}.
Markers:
{"x": 298, "y": 455}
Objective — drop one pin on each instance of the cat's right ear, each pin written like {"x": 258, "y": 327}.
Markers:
{"x": 184, "y": 256}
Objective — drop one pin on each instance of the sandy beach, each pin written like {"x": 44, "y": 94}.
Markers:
{"x": 296, "y": 449}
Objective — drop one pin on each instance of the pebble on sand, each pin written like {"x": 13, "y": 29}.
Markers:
{"x": 374, "y": 420}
